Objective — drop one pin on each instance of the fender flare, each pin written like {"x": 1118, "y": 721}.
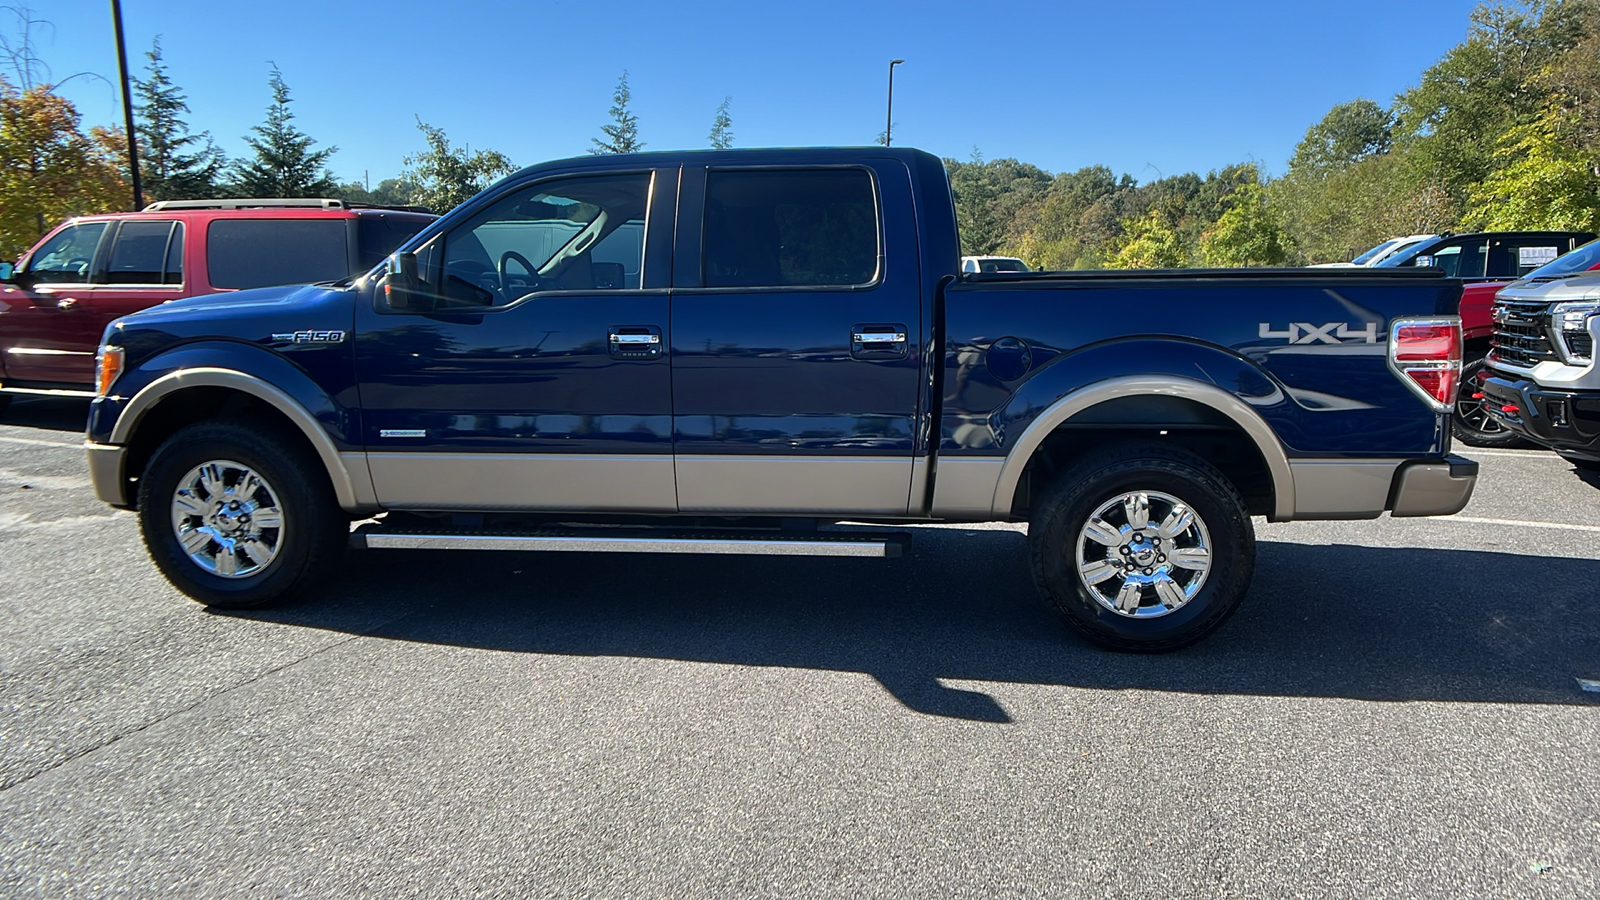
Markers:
{"x": 1251, "y": 423}
{"x": 344, "y": 486}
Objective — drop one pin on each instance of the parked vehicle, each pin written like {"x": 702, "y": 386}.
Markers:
{"x": 1542, "y": 381}
{"x": 778, "y": 340}
{"x": 1474, "y": 424}
{"x": 1377, "y": 254}
{"x": 993, "y": 264}
{"x": 64, "y": 292}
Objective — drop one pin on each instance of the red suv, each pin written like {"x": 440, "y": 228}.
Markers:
{"x": 61, "y": 295}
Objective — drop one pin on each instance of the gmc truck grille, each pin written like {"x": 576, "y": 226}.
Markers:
{"x": 1521, "y": 336}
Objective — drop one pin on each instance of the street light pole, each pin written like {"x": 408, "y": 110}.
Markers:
{"x": 889, "y": 125}
{"x": 127, "y": 107}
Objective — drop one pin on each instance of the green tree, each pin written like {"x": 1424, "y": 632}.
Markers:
{"x": 1151, "y": 242}
{"x": 722, "y": 127}
{"x": 622, "y": 135}
{"x": 447, "y": 177}
{"x": 284, "y": 164}
{"x": 1546, "y": 179}
{"x": 388, "y": 192}
{"x": 49, "y": 168}
{"x": 1349, "y": 133}
{"x": 173, "y": 164}
{"x": 1247, "y": 234}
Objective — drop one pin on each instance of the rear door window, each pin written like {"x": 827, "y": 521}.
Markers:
{"x": 1516, "y": 257}
{"x": 142, "y": 253}
{"x": 250, "y": 253}
{"x": 813, "y": 227}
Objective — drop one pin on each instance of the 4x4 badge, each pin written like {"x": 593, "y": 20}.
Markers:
{"x": 309, "y": 337}
{"x": 1307, "y": 333}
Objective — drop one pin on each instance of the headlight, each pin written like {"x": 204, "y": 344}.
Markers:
{"x": 1570, "y": 322}
{"x": 107, "y": 366}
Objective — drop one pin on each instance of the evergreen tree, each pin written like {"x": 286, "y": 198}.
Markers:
{"x": 722, "y": 127}
{"x": 622, "y": 135}
{"x": 284, "y": 163}
{"x": 174, "y": 164}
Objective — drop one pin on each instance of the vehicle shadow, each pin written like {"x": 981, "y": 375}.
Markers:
{"x": 1321, "y": 621}
{"x": 47, "y": 413}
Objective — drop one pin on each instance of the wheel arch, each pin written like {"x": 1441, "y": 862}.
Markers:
{"x": 1146, "y": 402}
{"x": 193, "y": 394}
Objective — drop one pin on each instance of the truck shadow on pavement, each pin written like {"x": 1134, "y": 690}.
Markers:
{"x": 1353, "y": 622}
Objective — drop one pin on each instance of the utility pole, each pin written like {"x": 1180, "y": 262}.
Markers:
{"x": 888, "y": 125}
{"x": 127, "y": 107}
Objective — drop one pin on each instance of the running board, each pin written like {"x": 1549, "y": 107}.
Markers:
{"x": 48, "y": 392}
{"x": 828, "y": 543}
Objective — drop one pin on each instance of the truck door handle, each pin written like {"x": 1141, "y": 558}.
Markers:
{"x": 634, "y": 342}
{"x": 878, "y": 341}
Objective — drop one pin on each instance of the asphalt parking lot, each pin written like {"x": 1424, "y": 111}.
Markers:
{"x": 1399, "y": 710}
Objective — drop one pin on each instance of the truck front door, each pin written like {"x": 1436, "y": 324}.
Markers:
{"x": 535, "y": 377}
{"x": 796, "y": 323}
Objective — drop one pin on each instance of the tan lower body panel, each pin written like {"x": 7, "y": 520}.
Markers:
{"x": 524, "y": 481}
{"x": 1341, "y": 488}
{"x": 830, "y": 485}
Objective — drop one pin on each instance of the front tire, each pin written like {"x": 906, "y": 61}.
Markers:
{"x": 236, "y": 517}
{"x": 1469, "y": 421}
{"x": 1142, "y": 547}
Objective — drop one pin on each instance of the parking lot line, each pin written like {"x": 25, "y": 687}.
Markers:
{"x": 33, "y": 442}
{"x": 1518, "y": 523}
{"x": 1470, "y": 452}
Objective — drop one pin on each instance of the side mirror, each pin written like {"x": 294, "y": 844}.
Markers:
{"x": 402, "y": 290}
{"x": 7, "y": 270}
{"x": 1422, "y": 261}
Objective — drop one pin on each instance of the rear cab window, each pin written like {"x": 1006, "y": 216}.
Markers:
{"x": 251, "y": 253}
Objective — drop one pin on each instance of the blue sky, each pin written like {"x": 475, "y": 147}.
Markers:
{"x": 1147, "y": 88}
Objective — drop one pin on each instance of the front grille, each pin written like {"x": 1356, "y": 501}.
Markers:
{"x": 1521, "y": 334}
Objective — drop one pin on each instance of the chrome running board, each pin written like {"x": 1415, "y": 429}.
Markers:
{"x": 832, "y": 543}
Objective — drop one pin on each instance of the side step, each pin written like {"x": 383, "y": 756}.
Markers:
{"x": 634, "y": 540}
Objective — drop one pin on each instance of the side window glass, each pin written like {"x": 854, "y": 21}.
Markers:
{"x": 173, "y": 271}
{"x": 66, "y": 257}
{"x": 1447, "y": 259}
{"x": 577, "y": 234}
{"x": 789, "y": 228}
{"x": 139, "y": 254}
{"x": 1514, "y": 259}
{"x": 251, "y": 253}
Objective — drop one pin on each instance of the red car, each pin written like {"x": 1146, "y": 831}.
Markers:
{"x": 60, "y": 296}
{"x": 1472, "y": 424}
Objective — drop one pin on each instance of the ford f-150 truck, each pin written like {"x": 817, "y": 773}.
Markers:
{"x": 731, "y": 351}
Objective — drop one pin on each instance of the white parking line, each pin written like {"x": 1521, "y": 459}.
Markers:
{"x": 1470, "y": 452}
{"x": 38, "y": 443}
{"x": 1517, "y": 523}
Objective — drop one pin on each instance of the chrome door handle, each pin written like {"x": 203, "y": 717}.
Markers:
{"x": 879, "y": 337}
{"x": 635, "y": 338}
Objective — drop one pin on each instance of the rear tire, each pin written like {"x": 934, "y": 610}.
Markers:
{"x": 1149, "y": 581}
{"x": 1469, "y": 421}
{"x": 235, "y": 516}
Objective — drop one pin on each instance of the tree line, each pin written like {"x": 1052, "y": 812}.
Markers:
{"x": 1501, "y": 133}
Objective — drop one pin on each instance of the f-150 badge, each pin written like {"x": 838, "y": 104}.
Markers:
{"x": 1331, "y": 333}
{"x": 309, "y": 337}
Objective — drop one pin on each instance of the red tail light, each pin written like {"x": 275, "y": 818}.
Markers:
{"x": 1426, "y": 354}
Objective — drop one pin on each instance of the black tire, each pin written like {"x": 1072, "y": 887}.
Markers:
{"x": 1470, "y": 423}
{"x": 313, "y": 531}
{"x": 1060, "y": 519}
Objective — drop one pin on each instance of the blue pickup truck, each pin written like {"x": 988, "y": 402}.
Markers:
{"x": 732, "y": 351}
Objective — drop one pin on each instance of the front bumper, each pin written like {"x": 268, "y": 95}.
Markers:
{"x": 1568, "y": 421}
{"x": 106, "y": 472}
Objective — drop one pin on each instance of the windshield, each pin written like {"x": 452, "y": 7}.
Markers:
{"x": 1402, "y": 255}
{"x": 1374, "y": 253}
{"x": 1580, "y": 260}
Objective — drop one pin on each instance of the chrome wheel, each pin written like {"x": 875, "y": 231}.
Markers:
{"x": 1143, "y": 554}
{"x": 227, "y": 520}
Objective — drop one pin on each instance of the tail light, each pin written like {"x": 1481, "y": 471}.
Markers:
{"x": 1426, "y": 354}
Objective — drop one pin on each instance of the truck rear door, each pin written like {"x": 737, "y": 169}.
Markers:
{"x": 796, "y": 315}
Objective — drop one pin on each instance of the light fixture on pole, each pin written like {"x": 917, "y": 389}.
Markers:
{"x": 889, "y": 125}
